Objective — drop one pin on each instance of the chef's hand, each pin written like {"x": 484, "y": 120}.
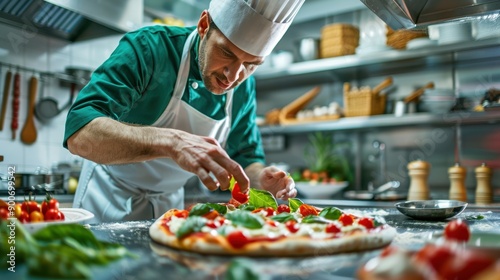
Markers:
{"x": 277, "y": 182}
{"x": 204, "y": 156}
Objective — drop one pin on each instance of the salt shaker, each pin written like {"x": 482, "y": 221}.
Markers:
{"x": 484, "y": 193}
{"x": 457, "y": 182}
{"x": 419, "y": 172}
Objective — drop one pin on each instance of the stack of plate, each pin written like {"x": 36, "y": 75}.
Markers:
{"x": 437, "y": 101}
{"x": 454, "y": 32}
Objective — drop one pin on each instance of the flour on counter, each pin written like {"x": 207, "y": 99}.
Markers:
{"x": 411, "y": 240}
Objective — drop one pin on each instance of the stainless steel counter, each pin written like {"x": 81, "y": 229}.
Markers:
{"x": 156, "y": 261}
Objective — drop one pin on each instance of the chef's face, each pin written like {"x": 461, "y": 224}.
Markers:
{"x": 223, "y": 66}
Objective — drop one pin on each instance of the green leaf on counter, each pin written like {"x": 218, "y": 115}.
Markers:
{"x": 311, "y": 219}
{"x": 294, "y": 204}
{"x": 240, "y": 269}
{"x": 474, "y": 217}
{"x": 331, "y": 213}
{"x": 262, "y": 199}
{"x": 191, "y": 224}
{"x": 283, "y": 217}
{"x": 20, "y": 241}
{"x": 245, "y": 219}
{"x": 201, "y": 209}
{"x": 63, "y": 251}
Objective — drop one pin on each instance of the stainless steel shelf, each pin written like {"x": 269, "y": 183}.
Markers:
{"x": 432, "y": 55}
{"x": 379, "y": 121}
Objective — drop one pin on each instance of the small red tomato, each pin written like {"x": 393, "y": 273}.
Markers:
{"x": 211, "y": 215}
{"x": 53, "y": 215}
{"x": 30, "y": 206}
{"x": 332, "y": 228}
{"x": 238, "y": 195}
{"x": 269, "y": 211}
{"x": 366, "y": 222}
{"x": 307, "y": 210}
{"x": 292, "y": 226}
{"x": 181, "y": 213}
{"x": 24, "y": 217}
{"x": 283, "y": 208}
{"x": 4, "y": 213}
{"x": 271, "y": 223}
{"x": 346, "y": 219}
{"x": 237, "y": 239}
{"x": 457, "y": 230}
{"x": 49, "y": 203}
{"x": 212, "y": 224}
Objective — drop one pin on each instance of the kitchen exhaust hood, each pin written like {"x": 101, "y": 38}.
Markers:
{"x": 412, "y": 14}
{"x": 73, "y": 20}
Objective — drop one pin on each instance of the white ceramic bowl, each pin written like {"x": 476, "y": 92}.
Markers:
{"x": 319, "y": 190}
{"x": 437, "y": 106}
{"x": 72, "y": 216}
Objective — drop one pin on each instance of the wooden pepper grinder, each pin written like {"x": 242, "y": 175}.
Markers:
{"x": 457, "y": 182}
{"x": 419, "y": 172}
{"x": 484, "y": 193}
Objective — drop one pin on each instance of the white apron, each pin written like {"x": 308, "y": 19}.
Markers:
{"x": 146, "y": 190}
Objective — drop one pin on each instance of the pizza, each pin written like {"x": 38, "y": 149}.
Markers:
{"x": 255, "y": 225}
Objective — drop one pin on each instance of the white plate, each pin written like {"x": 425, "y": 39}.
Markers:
{"x": 71, "y": 215}
{"x": 319, "y": 190}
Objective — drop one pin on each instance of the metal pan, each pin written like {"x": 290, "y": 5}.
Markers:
{"x": 432, "y": 210}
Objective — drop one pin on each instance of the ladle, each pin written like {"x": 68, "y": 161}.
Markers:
{"x": 29, "y": 133}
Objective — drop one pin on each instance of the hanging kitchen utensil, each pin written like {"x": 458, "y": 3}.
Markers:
{"x": 5, "y": 98}
{"x": 15, "y": 104}
{"x": 47, "y": 108}
{"x": 29, "y": 134}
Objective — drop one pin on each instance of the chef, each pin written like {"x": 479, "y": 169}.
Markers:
{"x": 171, "y": 103}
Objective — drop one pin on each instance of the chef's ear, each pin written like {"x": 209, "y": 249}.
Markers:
{"x": 203, "y": 24}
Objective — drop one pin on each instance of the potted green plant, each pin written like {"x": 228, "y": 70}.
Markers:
{"x": 324, "y": 162}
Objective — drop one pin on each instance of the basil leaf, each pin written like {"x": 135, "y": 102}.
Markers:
{"x": 201, "y": 209}
{"x": 241, "y": 269}
{"x": 191, "y": 225}
{"x": 262, "y": 199}
{"x": 331, "y": 213}
{"x": 311, "y": 219}
{"x": 283, "y": 217}
{"x": 246, "y": 207}
{"x": 294, "y": 204}
{"x": 245, "y": 219}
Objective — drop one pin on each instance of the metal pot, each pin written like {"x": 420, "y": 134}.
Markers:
{"x": 37, "y": 182}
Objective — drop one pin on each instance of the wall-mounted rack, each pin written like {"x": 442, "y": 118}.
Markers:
{"x": 63, "y": 77}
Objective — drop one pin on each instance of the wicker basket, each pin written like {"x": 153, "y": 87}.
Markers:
{"x": 365, "y": 101}
{"x": 338, "y": 39}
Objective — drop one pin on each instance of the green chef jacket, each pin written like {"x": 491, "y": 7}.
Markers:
{"x": 135, "y": 85}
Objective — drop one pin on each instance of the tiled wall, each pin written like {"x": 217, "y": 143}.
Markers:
{"x": 31, "y": 50}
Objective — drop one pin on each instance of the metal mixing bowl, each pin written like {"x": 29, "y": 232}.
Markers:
{"x": 431, "y": 209}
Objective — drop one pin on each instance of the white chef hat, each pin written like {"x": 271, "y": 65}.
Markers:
{"x": 255, "y": 26}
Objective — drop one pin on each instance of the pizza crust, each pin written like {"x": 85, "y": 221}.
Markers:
{"x": 213, "y": 244}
